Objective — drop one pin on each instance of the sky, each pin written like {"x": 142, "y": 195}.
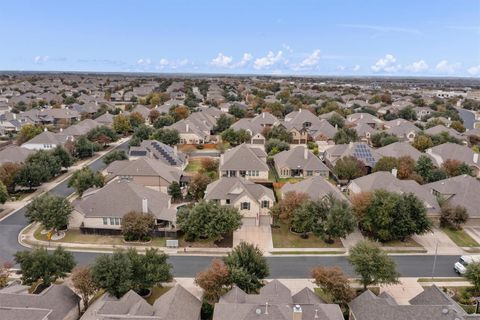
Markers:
{"x": 296, "y": 37}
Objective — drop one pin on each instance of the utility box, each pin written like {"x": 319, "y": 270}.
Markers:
{"x": 172, "y": 243}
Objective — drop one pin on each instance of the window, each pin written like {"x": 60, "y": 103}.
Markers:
{"x": 112, "y": 221}
{"x": 245, "y": 206}
{"x": 117, "y": 221}
{"x": 227, "y": 201}
{"x": 265, "y": 204}
{"x": 105, "y": 221}
{"x": 309, "y": 173}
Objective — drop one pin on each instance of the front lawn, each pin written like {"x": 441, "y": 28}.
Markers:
{"x": 461, "y": 238}
{"x": 283, "y": 238}
{"x": 408, "y": 243}
{"x": 226, "y": 242}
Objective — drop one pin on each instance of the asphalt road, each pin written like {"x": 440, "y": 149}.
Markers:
{"x": 188, "y": 266}
{"x": 468, "y": 118}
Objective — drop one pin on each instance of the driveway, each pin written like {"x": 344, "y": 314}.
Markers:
{"x": 261, "y": 236}
{"x": 445, "y": 245}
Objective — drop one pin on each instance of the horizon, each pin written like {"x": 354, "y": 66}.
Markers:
{"x": 271, "y": 38}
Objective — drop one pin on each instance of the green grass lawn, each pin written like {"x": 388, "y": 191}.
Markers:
{"x": 461, "y": 238}
{"x": 283, "y": 238}
{"x": 194, "y": 165}
{"x": 404, "y": 244}
{"x": 156, "y": 293}
{"x": 278, "y": 253}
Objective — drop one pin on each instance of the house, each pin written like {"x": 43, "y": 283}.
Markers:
{"x": 47, "y": 140}
{"x": 358, "y": 150}
{"x": 101, "y": 210}
{"x": 57, "y": 302}
{"x": 81, "y": 128}
{"x": 244, "y": 161}
{"x": 438, "y": 129}
{"x": 176, "y": 304}
{"x": 431, "y": 304}
{"x": 154, "y": 149}
{"x": 274, "y": 301}
{"x": 105, "y": 119}
{"x": 383, "y": 180}
{"x": 462, "y": 190}
{"x": 150, "y": 173}
{"x": 454, "y": 151}
{"x": 317, "y": 188}
{"x": 422, "y": 112}
{"x": 254, "y": 129}
{"x": 304, "y": 126}
{"x": 192, "y": 132}
{"x": 253, "y": 200}
{"x": 398, "y": 150}
{"x": 14, "y": 154}
{"x": 404, "y": 130}
{"x": 356, "y": 119}
{"x": 299, "y": 162}
{"x": 265, "y": 120}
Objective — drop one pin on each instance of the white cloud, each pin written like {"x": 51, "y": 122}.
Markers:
{"x": 386, "y": 64}
{"x": 269, "y": 60}
{"x": 287, "y": 47}
{"x": 144, "y": 62}
{"x": 356, "y": 68}
{"x": 246, "y": 58}
{"x": 40, "y": 59}
{"x": 341, "y": 68}
{"x": 171, "y": 64}
{"x": 222, "y": 61}
{"x": 312, "y": 60}
{"x": 164, "y": 62}
{"x": 417, "y": 66}
{"x": 445, "y": 67}
{"x": 474, "y": 70}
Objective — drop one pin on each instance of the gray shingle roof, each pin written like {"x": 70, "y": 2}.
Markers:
{"x": 316, "y": 187}
{"x": 14, "y": 154}
{"x": 299, "y": 157}
{"x": 235, "y": 187}
{"x": 243, "y": 157}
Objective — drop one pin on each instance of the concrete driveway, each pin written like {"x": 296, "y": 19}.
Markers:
{"x": 260, "y": 236}
{"x": 445, "y": 245}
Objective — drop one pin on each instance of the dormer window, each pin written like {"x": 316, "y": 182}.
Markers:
{"x": 307, "y": 124}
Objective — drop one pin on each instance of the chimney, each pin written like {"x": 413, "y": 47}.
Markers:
{"x": 336, "y": 125}
{"x": 300, "y": 110}
{"x": 305, "y": 153}
{"x": 144, "y": 205}
{"x": 187, "y": 127}
{"x": 361, "y": 116}
{"x": 297, "y": 312}
{"x": 175, "y": 151}
{"x": 263, "y": 115}
{"x": 45, "y": 129}
{"x": 398, "y": 122}
{"x": 221, "y": 159}
{"x": 61, "y": 129}
{"x": 475, "y": 157}
{"x": 394, "y": 172}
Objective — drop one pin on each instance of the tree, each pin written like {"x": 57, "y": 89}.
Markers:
{"x": 3, "y": 193}
{"x": 382, "y": 139}
{"x": 136, "y": 119}
{"x": 27, "y": 132}
{"x": 8, "y": 172}
{"x": 213, "y": 281}
{"x": 457, "y": 125}
{"x": 279, "y": 133}
{"x": 247, "y": 267}
{"x": 31, "y": 175}
{"x": 5, "y": 274}
{"x": 345, "y": 135}
{"x": 473, "y": 275}
{"x": 180, "y": 112}
{"x": 424, "y": 167}
{"x": 113, "y": 273}
{"x": 223, "y": 123}
{"x": 64, "y": 157}
{"x": 84, "y": 179}
{"x": 386, "y": 164}
{"x": 83, "y": 284}
{"x": 333, "y": 282}
{"x": 50, "y": 164}
{"x": 115, "y": 155}
{"x": 163, "y": 121}
{"x": 84, "y": 148}
{"x": 235, "y": 137}
{"x": 236, "y": 111}
{"x": 175, "y": 191}
{"x": 51, "y": 211}
{"x": 422, "y": 142}
{"x": 198, "y": 185}
{"x": 274, "y": 146}
{"x": 455, "y": 168}
{"x": 453, "y": 217}
{"x": 391, "y": 216}
{"x": 406, "y": 166}
{"x": 306, "y": 216}
{"x": 372, "y": 264}
{"x": 349, "y": 168}
{"x": 336, "y": 120}
{"x": 121, "y": 124}
{"x": 208, "y": 220}
{"x": 285, "y": 208}
{"x": 128, "y": 270}
{"x": 138, "y": 226}
{"x": 153, "y": 115}
{"x": 102, "y": 135}
{"x": 209, "y": 164}
{"x": 407, "y": 113}
{"x": 167, "y": 136}
{"x": 38, "y": 264}
{"x": 360, "y": 204}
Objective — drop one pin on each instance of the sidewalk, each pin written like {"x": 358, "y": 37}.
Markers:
{"x": 438, "y": 241}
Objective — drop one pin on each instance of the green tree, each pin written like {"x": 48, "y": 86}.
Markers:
{"x": 223, "y": 123}
{"x": 49, "y": 210}
{"x": 372, "y": 264}
{"x": 473, "y": 275}
{"x": 235, "y": 137}
{"x": 167, "y": 136}
{"x": 382, "y": 139}
{"x": 64, "y": 157}
{"x": 140, "y": 133}
{"x": 175, "y": 191}
{"x": 84, "y": 179}
{"x": 38, "y": 264}
{"x": 274, "y": 146}
{"x": 50, "y": 164}
{"x": 349, "y": 168}
{"x": 422, "y": 142}
{"x": 424, "y": 167}
{"x": 98, "y": 134}
{"x": 148, "y": 270}
{"x": 339, "y": 221}
{"x": 386, "y": 164}
{"x": 453, "y": 217}
{"x": 115, "y": 155}
{"x": 208, "y": 220}
{"x": 113, "y": 273}
{"x": 336, "y": 120}
{"x": 138, "y": 226}
{"x": 279, "y": 133}
{"x": 31, "y": 175}
{"x": 8, "y": 173}
{"x": 84, "y": 148}
{"x": 3, "y": 193}
{"x": 407, "y": 113}
{"x": 121, "y": 124}
{"x": 136, "y": 119}
{"x": 236, "y": 111}
{"x": 345, "y": 135}
{"x": 247, "y": 267}
{"x": 27, "y": 132}
{"x": 163, "y": 121}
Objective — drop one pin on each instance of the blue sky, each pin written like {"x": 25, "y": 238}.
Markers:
{"x": 324, "y": 37}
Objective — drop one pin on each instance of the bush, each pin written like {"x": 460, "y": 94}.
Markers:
{"x": 453, "y": 217}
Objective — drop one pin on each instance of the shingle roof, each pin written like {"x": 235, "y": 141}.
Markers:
{"x": 399, "y": 149}
{"x": 316, "y": 187}
{"x": 299, "y": 157}
{"x": 235, "y": 187}
{"x": 145, "y": 167}
{"x": 14, "y": 154}
{"x": 243, "y": 157}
